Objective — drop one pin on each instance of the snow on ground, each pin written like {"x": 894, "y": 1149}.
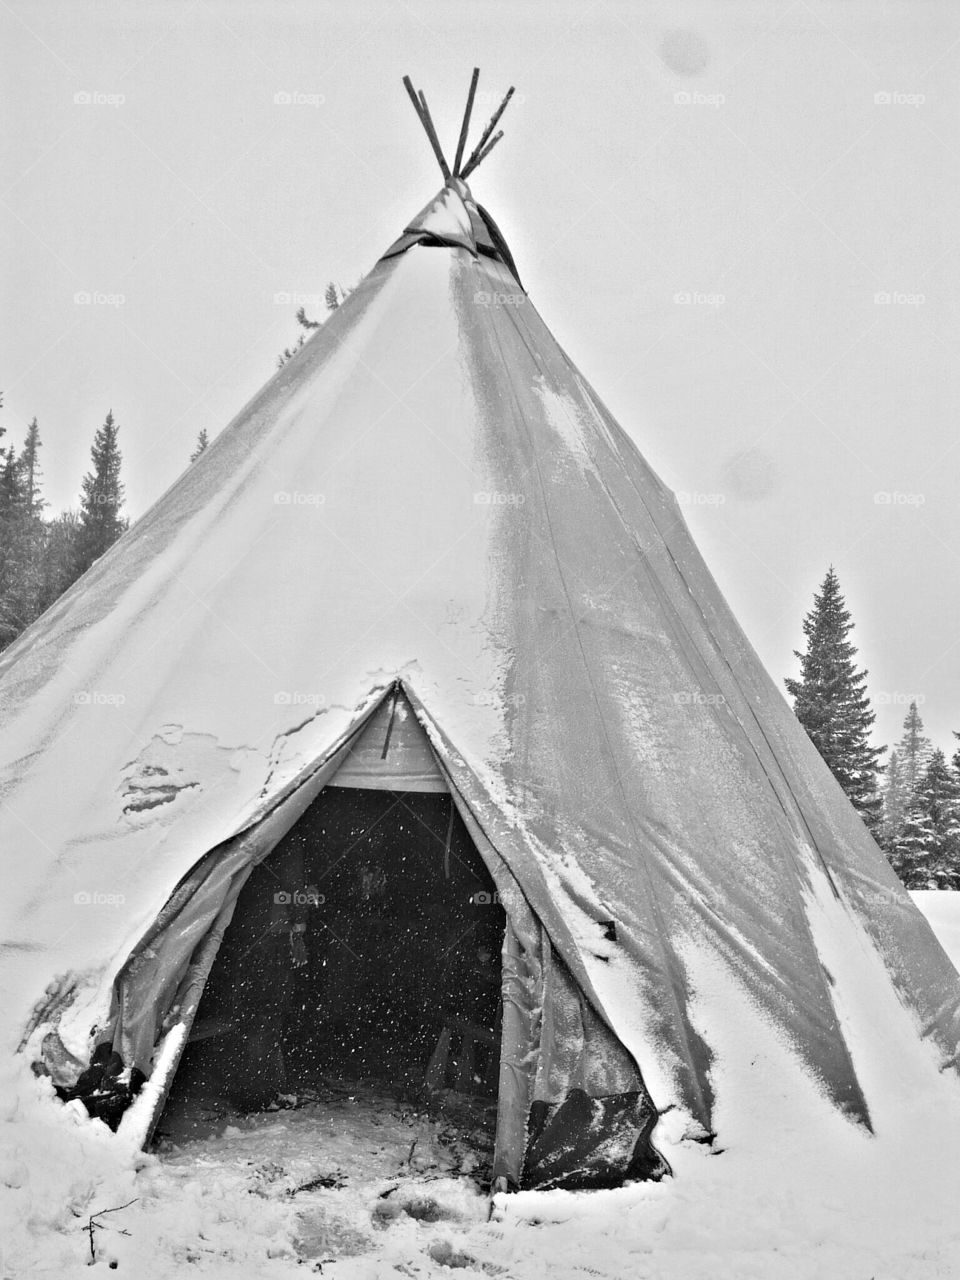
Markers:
{"x": 358, "y": 1185}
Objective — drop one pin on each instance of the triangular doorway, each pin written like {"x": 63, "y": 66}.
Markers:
{"x": 365, "y": 948}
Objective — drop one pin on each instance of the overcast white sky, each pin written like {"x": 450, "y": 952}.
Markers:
{"x": 732, "y": 151}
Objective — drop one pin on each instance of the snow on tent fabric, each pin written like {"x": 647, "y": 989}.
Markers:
{"x": 428, "y": 518}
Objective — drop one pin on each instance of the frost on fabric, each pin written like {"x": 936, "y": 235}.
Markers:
{"x": 563, "y": 414}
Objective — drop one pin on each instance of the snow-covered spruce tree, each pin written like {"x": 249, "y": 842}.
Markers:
{"x": 831, "y": 701}
{"x": 101, "y": 523}
{"x": 12, "y": 557}
{"x": 913, "y": 752}
{"x": 30, "y": 469}
{"x": 894, "y": 802}
{"x": 940, "y": 796}
{"x": 927, "y": 852}
{"x": 22, "y": 537}
{"x": 60, "y": 557}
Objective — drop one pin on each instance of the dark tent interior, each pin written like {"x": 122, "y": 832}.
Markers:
{"x": 366, "y": 946}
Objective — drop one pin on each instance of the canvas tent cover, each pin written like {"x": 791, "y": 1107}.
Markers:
{"x": 430, "y": 496}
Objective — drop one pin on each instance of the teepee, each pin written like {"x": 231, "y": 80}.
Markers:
{"x": 425, "y": 560}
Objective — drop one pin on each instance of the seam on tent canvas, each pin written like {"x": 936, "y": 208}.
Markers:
{"x": 685, "y": 1030}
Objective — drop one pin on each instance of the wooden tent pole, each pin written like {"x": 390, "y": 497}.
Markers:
{"x": 470, "y": 168}
{"x": 475, "y": 156}
{"x": 432, "y": 135}
{"x": 465, "y": 127}
{"x": 483, "y": 147}
{"x": 408, "y": 85}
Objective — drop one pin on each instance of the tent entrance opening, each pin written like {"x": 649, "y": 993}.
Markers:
{"x": 365, "y": 947}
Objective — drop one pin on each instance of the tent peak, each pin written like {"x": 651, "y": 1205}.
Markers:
{"x": 488, "y": 140}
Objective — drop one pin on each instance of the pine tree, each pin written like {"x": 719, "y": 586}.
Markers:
{"x": 60, "y": 557}
{"x": 13, "y": 548}
{"x": 913, "y": 750}
{"x": 955, "y": 758}
{"x": 101, "y": 498}
{"x": 894, "y": 802}
{"x": 11, "y": 490}
{"x": 332, "y": 296}
{"x": 30, "y": 468}
{"x": 927, "y": 852}
{"x": 831, "y": 701}
{"x": 202, "y": 444}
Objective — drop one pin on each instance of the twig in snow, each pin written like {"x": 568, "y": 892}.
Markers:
{"x": 93, "y": 1225}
